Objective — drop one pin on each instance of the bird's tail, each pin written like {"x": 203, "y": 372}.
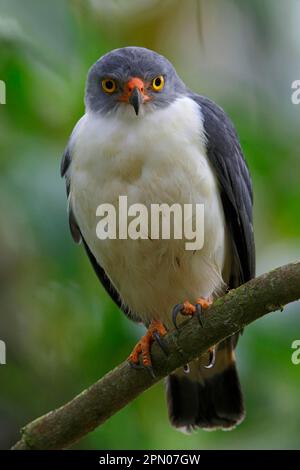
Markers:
{"x": 207, "y": 398}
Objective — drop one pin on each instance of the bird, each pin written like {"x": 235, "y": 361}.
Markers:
{"x": 145, "y": 135}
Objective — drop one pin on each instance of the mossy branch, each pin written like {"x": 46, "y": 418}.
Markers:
{"x": 62, "y": 427}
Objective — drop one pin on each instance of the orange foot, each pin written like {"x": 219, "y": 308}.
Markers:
{"x": 155, "y": 332}
{"x": 189, "y": 309}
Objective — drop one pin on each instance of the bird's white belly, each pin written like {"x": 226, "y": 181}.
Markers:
{"x": 155, "y": 158}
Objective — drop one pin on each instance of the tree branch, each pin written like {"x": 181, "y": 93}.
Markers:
{"x": 64, "y": 426}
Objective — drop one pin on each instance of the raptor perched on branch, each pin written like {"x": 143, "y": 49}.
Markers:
{"x": 145, "y": 135}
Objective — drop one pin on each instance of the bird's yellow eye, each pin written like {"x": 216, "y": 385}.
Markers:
{"x": 158, "y": 83}
{"x": 109, "y": 85}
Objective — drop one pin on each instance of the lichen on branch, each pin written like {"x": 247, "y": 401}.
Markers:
{"x": 62, "y": 427}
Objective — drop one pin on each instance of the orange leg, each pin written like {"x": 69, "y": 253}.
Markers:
{"x": 155, "y": 331}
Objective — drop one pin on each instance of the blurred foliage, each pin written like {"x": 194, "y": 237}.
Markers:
{"x": 62, "y": 331}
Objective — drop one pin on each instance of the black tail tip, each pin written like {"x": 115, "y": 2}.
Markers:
{"x": 215, "y": 403}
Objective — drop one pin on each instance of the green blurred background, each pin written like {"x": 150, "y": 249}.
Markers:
{"x": 61, "y": 330}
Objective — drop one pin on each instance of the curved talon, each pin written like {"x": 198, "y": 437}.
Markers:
{"x": 176, "y": 310}
{"x": 199, "y": 313}
{"x": 133, "y": 365}
{"x": 188, "y": 309}
{"x": 149, "y": 368}
{"x": 212, "y": 358}
{"x": 139, "y": 366}
{"x": 142, "y": 350}
{"x": 160, "y": 341}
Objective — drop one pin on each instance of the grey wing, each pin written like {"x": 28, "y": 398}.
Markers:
{"x": 64, "y": 172}
{"x": 77, "y": 237}
{"x": 226, "y": 157}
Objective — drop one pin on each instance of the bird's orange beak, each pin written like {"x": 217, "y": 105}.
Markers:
{"x": 134, "y": 93}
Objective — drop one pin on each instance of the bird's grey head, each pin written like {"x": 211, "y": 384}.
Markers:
{"x": 134, "y": 79}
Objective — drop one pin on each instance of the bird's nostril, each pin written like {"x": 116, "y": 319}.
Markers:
{"x": 130, "y": 88}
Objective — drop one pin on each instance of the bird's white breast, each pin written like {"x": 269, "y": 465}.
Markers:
{"x": 157, "y": 157}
